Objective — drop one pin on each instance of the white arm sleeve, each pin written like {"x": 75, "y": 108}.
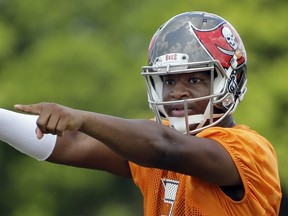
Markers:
{"x": 18, "y": 130}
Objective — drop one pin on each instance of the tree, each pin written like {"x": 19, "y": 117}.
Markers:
{"x": 88, "y": 54}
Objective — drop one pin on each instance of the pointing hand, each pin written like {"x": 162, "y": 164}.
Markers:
{"x": 53, "y": 118}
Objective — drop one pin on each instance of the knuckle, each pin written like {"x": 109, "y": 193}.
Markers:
{"x": 40, "y": 122}
{"x": 50, "y": 128}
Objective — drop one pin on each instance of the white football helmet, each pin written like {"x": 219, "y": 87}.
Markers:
{"x": 197, "y": 42}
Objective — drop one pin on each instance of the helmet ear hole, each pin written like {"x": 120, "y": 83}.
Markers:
{"x": 241, "y": 80}
{"x": 241, "y": 75}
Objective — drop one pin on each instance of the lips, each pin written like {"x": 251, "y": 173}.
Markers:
{"x": 178, "y": 110}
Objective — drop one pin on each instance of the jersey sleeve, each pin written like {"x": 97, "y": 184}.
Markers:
{"x": 255, "y": 159}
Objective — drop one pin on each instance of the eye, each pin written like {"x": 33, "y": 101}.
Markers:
{"x": 168, "y": 81}
{"x": 194, "y": 80}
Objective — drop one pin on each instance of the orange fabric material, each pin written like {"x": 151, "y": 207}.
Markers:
{"x": 168, "y": 193}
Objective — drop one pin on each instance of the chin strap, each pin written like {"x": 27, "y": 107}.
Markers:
{"x": 179, "y": 123}
{"x": 182, "y": 124}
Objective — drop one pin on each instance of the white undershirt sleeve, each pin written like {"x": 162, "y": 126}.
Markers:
{"x": 18, "y": 130}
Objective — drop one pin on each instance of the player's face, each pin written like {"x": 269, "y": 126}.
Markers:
{"x": 186, "y": 86}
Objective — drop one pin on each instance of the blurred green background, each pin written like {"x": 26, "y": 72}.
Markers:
{"x": 87, "y": 55}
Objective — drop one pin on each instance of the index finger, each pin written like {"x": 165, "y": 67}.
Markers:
{"x": 31, "y": 108}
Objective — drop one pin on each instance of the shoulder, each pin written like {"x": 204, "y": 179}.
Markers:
{"x": 254, "y": 157}
{"x": 243, "y": 144}
{"x": 239, "y": 134}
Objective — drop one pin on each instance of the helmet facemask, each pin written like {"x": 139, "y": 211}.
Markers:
{"x": 213, "y": 112}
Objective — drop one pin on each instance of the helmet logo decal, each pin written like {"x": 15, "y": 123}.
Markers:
{"x": 227, "y": 52}
{"x": 230, "y": 37}
{"x": 224, "y": 44}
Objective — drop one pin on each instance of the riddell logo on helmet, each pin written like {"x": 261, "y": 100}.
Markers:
{"x": 171, "y": 57}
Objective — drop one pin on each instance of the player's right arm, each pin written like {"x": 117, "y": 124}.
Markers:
{"x": 73, "y": 148}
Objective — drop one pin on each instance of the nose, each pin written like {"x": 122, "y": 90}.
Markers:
{"x": 180, "y": 91}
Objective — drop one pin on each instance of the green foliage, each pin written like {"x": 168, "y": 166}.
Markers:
{"x": 88, "y": 54}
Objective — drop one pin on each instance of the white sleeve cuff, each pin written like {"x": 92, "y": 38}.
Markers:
{"x": 18, "y": 130}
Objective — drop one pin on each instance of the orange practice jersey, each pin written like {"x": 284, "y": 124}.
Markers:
{"x": 168, "y": 193}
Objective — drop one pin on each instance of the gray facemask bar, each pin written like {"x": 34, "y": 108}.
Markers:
{"x": 217, "y": 96}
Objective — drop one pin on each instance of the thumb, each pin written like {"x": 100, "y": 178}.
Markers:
{"x": 39, "y": 133}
